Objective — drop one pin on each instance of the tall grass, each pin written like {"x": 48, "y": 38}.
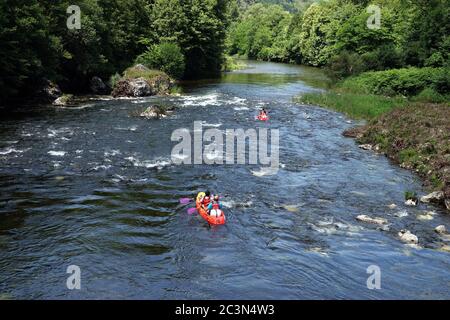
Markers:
{"x": 357, "y": 106}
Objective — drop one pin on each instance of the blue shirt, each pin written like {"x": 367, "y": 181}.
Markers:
{"x": 210, "y": 206}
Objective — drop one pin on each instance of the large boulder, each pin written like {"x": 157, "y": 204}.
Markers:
{"x": 435, "y": 197}
{"x": 139, "y": 81}
{"x": 97, "y": 86}
{"x": 161, "y": 84}
{"x": 132, "y": 88}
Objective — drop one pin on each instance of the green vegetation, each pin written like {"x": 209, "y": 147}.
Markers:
{"x": 232, "y": 64}
{"x": 134, "y": 73}
{"x": 166, "y": 56}
{"x": 36, "y": 43}
{"x": 407, "y": 81}
{"x": 411, "y": 33}
{"x": 358, "y": 106}
{"x": 410, "y": 195}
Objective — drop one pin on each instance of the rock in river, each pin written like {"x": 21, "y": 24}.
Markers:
{"x": 132, "y": 88}
{"x": 411, "y": 202}
{"x": 151, "y": 112}
{"x": 368, "y": 219}
{"x": 441, "y": 229}
{"x": 408, "y": 237}
{"x": 435, "y": 197}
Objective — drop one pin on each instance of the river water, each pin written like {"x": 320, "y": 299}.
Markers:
{"x": 94, "y": 186}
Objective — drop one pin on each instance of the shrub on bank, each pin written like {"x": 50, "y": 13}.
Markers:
{"x": 407, "y": 82}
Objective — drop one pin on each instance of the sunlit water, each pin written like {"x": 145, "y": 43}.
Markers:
{"x": 95, "y": 186}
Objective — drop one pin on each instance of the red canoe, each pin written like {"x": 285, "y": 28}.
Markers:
{"x": 210, "y": 219}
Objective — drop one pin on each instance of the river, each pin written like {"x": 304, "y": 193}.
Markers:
{"x": 94, "y": 186}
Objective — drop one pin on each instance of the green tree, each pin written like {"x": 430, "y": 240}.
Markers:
{"x": 198, "y": 27}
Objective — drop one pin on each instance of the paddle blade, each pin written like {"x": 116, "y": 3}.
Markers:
{"x": 185, "y": 200}
{"x": 191, "y": 210}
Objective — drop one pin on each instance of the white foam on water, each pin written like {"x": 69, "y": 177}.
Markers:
{"x": 150, "y": 164}
{"x": 241, "y": 108}
{"x": 112, "y": 153}
{"x": 57, "y": 153}
{"x": 96, "y": 168}
{"x": 11, "y": 150}
{"x": 180, "y": 156}
{"x": 214, "y": 125}
{"x": 236, "y": 100}
{"x": 202, "y": 101}
{"x": 401, "y": 214}
{"x": 81, "y": 107}
{"x": 130, "y": 128}
{"x": 233, "y": 204}
{"x": 53, "y": 133}
{"x": 265, "y": 171}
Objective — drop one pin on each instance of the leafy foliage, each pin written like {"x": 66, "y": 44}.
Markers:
{"x": 166, "y": 57}
{"x": 36, "y": 43}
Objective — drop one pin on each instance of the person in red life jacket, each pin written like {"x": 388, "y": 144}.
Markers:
{"x": 262, "y": 114}
{"x": 206, "y": 199}
{"x": 215, "y": 208}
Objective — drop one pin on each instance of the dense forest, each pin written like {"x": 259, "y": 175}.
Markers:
{"x": 411, "y": 33}
{"x": 190, "y": 38}
{"x": 36, "y": 43}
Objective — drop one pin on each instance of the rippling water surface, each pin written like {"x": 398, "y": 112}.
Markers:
{"x": 95, "y": 186}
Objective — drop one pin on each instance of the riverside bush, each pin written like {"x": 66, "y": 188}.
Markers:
{"x": 406, "y": 81}
{"x": 166, "y": 57}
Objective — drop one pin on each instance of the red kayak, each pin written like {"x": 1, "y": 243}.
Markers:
{"x": 262, "y": 118}
{"x": 210, "y": 219}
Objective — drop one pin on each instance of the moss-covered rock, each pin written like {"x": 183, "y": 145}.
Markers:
{"x": 139, "y": 81}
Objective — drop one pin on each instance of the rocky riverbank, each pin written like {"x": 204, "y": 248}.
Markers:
{"x": 416, "y": 137}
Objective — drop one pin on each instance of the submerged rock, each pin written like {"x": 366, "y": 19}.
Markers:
{"x": 407, "y": 237}
{"x": 152, "y": 112}
{"x": 392, "y": 206}
{"x": 156, "y": 112}
{"x": 435, "y": 197}
{"x": 376, "y": 220}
